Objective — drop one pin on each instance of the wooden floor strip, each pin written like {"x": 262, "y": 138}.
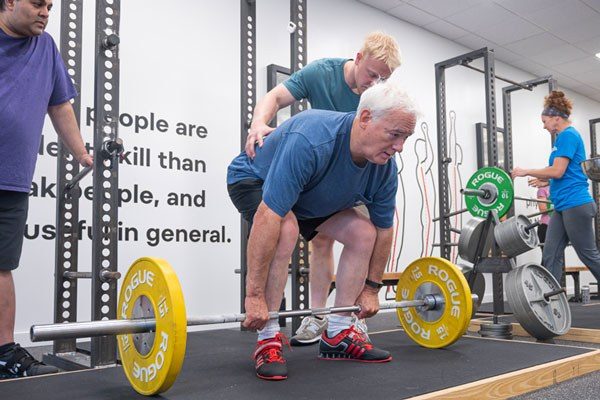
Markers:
{"x": 521, "y": 381}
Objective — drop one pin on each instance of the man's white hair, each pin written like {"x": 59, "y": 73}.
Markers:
{"x": 385, "y": 96}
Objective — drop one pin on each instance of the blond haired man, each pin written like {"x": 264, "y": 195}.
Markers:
{"x": 334, "y": 84}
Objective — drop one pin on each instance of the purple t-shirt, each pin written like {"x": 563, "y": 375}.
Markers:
{"x": 32, "y": 77}
{"x": 544, "y": 193}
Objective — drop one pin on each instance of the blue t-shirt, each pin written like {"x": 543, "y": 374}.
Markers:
{"x": 322, "y": 83}
{"x": 307, "y": 168}
{"x": 32, "y": 77}
{"x": 572, "y": 189}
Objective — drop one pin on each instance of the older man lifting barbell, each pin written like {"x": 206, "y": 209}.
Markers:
{"x": 306, "y": 178}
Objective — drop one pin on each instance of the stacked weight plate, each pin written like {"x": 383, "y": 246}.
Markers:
{"x": 543, "y": 317}
{"x": 514, "y": 237}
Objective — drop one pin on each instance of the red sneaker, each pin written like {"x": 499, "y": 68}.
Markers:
{"x": 269, "y": 361}
{"x": 351, "y": 345}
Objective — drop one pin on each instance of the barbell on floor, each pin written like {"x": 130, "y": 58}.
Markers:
{"x": 40, "y": 333}
{"x": 433, "y": 303}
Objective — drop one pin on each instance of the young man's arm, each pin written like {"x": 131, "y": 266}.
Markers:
{"x": 276, "y": 99}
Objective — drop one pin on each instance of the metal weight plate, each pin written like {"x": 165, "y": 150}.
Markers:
{"x": 469, "y": 236}
{"x": 478, "y": 286}
{"x": 152, "y": 360}
{"x": 441, "y": 326}
{"x": 498, "y": 182}
{"x": 513, "y": 237}
{"x": 525, "y": 289}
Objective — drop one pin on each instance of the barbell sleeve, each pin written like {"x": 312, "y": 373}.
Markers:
{"x": 39, "y": 333}
{"x": 531, "y": 199}
{"x": 539, "y": 213}
{"x": 476, "y": 192}
{"x": 452, "y": 214}
{"x": 531, "y": 226}
{"x": 90, "y": 329}
{"x": 554, "y": 293}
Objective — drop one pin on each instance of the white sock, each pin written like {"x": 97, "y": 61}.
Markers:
{"x": 338, "y": 323}
{"x": 269, "y": 331}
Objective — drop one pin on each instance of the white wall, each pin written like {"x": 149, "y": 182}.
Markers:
{"x": 182, "y": 63}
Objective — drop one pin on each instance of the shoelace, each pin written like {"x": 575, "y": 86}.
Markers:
{"x": 284, "y": 340}
{"x": 24, "y": 358}
{"x": 275, "y": 354}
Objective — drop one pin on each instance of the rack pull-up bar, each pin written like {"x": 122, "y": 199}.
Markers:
{"x": 526, "y": 87}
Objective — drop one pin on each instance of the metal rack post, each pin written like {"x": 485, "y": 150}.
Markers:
{"x": 298, "y": 44}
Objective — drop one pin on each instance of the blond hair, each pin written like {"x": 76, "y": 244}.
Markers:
{"x": 382, "y": 47}
{"x": 385, "y": 96}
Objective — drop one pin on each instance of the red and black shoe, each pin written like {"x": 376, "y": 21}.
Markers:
{"x": 269, "y": 361}
{"x": 351, "y": 345}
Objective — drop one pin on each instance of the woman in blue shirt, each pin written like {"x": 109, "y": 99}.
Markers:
{"x": 569, "y": 191}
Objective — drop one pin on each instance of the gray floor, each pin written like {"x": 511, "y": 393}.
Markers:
{"x": 586, "y": 387}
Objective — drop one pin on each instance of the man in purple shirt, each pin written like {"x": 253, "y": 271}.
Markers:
{"x": 33, "y": 82}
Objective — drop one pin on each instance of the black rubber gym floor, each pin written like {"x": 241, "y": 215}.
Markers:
{"x": 582, "y": 315}
{"x": 218, "y": 365}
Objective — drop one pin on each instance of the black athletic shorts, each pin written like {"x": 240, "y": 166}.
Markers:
{"x": 13, "y": 215}
{"x": 246, "y": 196}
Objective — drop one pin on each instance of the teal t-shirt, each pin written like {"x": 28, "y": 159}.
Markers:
{"x": 322, "y": 83}
{"x": 572, "y": 189}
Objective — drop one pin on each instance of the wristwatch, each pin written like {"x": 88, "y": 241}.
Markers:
{"x": 374, "y": 285}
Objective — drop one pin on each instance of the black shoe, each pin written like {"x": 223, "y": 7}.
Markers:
{"x": 17, "y": 362}
{"x": 269, "y": 361}
{"x": 351, "y": 345}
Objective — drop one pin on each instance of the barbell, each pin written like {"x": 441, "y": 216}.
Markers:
{"x": 433, "y": 303}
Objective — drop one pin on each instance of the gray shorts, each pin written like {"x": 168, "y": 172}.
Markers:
{"x": 13, "y": 216}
